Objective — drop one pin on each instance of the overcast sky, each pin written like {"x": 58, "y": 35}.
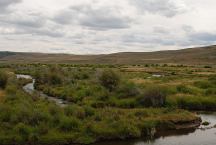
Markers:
{"x": 105, "y": 26}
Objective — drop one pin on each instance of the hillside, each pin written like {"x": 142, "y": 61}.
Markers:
{"x": 202, "y": 55}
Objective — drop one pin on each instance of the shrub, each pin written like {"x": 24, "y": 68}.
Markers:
{"x": 128, "y": 90}
{"x": 207, "y": 66}
{"x": 154, "y": 96}
{"x": 23, "y": 130}
{"x": 203, "y": 84}
{"x": 89, "y": 111}
{"x": 210, "y": 91}
{"x": 183, "y": 89}
{"x": 42, "y": 129}
{"x": 75, "y": 111}
{"x": 127, "y": 103}
{"x": 109, "y": 79}
{"x": 69, "y": 124}
{"x": 3, "y": 79}
{"x": 213, "y": 79}
{"x": 127, "y": 129}
{"x": 55, "y": 79}
{"x": 205, "y": 123}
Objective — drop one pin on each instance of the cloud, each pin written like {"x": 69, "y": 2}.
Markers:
{"x": 193, "y": 37}
{"x": 161, "y": 30}
{"x": 202, "y": 37}
{"x": 24, "y": 19}
{"x": 48, "y": 32}
{"x": 4, "y": 30}
{"x": 5, "y": 4}
{"x": 105, "y": 26}
{"x": 97, "y": 18}
{"x": 167, "y": 8}
{"x": 149, "y": 39}
{"x": 30, "y": 23}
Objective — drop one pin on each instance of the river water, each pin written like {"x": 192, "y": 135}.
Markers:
{"x": 205, "y": 135}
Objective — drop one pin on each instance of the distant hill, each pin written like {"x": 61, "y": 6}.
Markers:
{"x": 6, "y": 53}
{"x": 202, "y": 55}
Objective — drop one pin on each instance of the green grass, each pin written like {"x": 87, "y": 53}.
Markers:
{"x": 129, "y": 103}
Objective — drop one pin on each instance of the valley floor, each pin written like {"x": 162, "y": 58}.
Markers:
{"x": 103, "y": 102}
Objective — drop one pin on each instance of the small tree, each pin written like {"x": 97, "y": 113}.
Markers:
{"x": 109, "y": 79}
{"x": 3, "y": 80}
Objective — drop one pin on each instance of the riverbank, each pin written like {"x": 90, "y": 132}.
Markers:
{"x": 120, "y": 124}
{"x": 177, "y": 137}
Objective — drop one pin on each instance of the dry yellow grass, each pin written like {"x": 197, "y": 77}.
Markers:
{"x": 171, "y": 83}
{"x": 141, "y": 69}
{"x": 204, "y": 73}
{"x": 142, "y": 81}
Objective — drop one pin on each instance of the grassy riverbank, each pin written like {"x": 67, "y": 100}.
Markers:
{"x": 105, "y": 102}
{"x": 26, "y": 120}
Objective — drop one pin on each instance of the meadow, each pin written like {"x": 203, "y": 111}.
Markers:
{"x": 103, "y": 101}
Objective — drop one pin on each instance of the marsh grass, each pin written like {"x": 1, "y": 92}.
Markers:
{"x": 133, "y": 107}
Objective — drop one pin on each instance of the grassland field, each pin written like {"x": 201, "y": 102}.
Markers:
{"x": 104, "y": 101}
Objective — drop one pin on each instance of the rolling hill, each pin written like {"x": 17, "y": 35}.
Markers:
{"x": 201, "y": 55}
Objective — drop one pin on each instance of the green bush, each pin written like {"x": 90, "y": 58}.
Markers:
{"x": 127, "y": 129}
{"x": 203, "y": 84}
{"x": 212, "y": 79}
{"x": 55, "y": 79}
{"x": 23, "y": 130}
{"x": 75, "y": 111}
{"x": 205, "y": 123}
{"x": 196, "y": 103}
{"x": 109, "y": 79}
{"x": 210, "y": 91}
{"x": 69, "y": 124}
{"x": 153, "y": 96}
{"x": 127, "y": 90}
{"x": 184, "y": 89}
{"x": 89, "y": 111}
{"x": 3, "y": 79}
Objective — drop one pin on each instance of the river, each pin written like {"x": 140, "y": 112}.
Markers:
{"x": 29, "y": 88}
{"x": 205, "y": 135}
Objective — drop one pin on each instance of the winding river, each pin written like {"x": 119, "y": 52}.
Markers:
{"x": 29, "y": 88}
{"x": 204, "y": 135}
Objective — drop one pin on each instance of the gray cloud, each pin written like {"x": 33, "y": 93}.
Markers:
{"x": 105, "y": 26}
{"x": 21, "y": 23}
{"x": 193, "y": 37}
{"x": 24, "y": 20}
{"x": 148, "y": 39}
{"x": 4, "y": 4}
{"x": 202, "y": 37}
{"x": 161, "y": 30}
{"x": 48, "y": 32}
{"x": 64, "y": 17}
{"x": 168, "y": 8}
{"x": 100, "y": 18}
